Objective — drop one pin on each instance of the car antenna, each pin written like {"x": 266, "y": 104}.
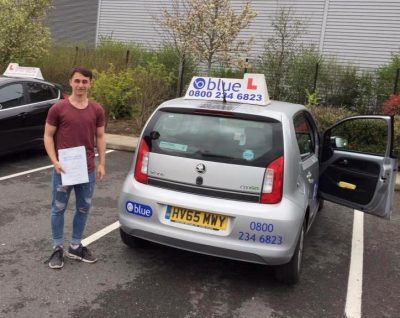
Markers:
{"x": 223, "y": 93}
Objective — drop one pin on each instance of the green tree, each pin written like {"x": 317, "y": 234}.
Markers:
{"x": 281, "y": 48}
{"x": 209, "y": 30}
{"x": 24, "y": 36}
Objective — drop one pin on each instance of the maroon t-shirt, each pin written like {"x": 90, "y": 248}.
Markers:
{"x": 76, "y": 127}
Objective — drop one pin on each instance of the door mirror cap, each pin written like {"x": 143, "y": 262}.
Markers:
{"x": 338, "y": 142}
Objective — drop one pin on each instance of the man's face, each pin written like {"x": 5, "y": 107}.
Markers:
{"x": 80, "y": 84}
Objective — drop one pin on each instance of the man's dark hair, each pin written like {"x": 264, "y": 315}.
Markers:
{"x": 84, "y": 71}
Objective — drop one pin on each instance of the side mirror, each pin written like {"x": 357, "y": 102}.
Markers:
{"x": 338, "y": 142}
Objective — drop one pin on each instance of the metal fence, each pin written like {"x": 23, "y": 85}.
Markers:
{"x": 332, "y": 84}
{"x": 345, "y": 86}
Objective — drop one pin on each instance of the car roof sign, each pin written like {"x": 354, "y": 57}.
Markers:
{"x": 14, "y": 70}
{"x": 252, "y": 89}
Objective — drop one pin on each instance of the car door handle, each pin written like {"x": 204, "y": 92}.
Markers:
{"x": 22, "y": 114}
{"x": 343, "y": 162}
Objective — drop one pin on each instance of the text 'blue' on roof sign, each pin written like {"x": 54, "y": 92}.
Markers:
{"x": 252, "y": 89}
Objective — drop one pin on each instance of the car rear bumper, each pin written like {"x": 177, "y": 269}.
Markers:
{"x": 242, "y": 240}
{"x": 195, "y": 247}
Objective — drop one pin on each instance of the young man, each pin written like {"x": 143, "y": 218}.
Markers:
{"x": 74, "y": 122}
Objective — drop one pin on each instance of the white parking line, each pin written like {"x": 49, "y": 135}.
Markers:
{"x": 25, "y": 172}
{"x": 94, "y": 237}
{"x": 34, "y": 170}
{"x": 354, "y": 286}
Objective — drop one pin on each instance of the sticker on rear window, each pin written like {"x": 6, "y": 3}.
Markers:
{"x": 172, "y": 146}
{"x": 248, "y": 154}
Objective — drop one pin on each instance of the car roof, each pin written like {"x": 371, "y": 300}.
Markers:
{"x": 10, "y": 79}
{"x": 275, "y": 109}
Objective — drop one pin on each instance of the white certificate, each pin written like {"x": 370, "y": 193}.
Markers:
{"x": 73, "y": 160}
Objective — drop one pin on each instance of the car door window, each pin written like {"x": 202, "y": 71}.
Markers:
{"x": 39, "y": 92}
{"x": 11, "y": 96}
{"x": 363, "y": 135}
{"x": 304, "y": 135}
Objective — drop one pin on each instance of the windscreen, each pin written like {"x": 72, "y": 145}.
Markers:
{"x": 244, "y": 140}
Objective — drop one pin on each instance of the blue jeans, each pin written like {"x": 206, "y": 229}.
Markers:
{"x": 83, "y": 196}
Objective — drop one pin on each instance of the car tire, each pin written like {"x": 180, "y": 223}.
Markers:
{"x": 289, "y": 273}
{"x": 131, "y": 241}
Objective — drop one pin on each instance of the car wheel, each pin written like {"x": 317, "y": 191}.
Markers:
{"x": 289, "y": 273}
{"x": 130, "y": 240}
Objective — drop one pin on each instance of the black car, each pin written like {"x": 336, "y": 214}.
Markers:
{"x": 24, "y": 103}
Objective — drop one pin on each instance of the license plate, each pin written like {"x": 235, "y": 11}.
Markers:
{"x": 197, "y": 218}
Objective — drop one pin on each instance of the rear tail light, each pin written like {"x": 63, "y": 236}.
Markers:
{"x": 273, "y": 182}
{"x": 142, "y": 163}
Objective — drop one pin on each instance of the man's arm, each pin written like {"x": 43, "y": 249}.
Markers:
{"x": 101, "y": 149}
{"x": 49, "y": 132}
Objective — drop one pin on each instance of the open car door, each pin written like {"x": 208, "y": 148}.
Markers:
{"x": 358, "y": 168}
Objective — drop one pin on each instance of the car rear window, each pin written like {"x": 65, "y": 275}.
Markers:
{"x": 238, "y": 139}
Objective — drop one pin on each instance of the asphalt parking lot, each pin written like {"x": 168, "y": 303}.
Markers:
{"x": 157, "y": 281}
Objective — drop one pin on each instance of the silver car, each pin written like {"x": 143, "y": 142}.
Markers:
{"x": 245, "y": 182}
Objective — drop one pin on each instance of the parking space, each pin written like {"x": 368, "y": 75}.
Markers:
{"x": 161, "y": 281}
{"x": 23, "y": 161}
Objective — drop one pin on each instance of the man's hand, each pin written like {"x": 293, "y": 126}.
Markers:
{"x": 101, "y": 172}
{"x": 59, "y": 169}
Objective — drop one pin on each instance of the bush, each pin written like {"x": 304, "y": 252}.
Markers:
{"x": 169, "y": 57}
{"x": 300, "y": 80}
{"x": 289, "y": 79}
{"x": 132, "y": 93}
{"x": 153, "y": 84}
{"x": 63, "y": 57}
{"x": 326, "y": 116}
{"x": 57, "y": 64}
{"x": 366, "y": 135}
{"x": 396, "y": 143}
{"x": 226, "y": 73}
{"x": 386, "y": 77}
{"x": 337, "y": 84}
{"x": 366, "y": 100}
{"x": 392, "y": 105}
{"x": 114, "y": 90}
